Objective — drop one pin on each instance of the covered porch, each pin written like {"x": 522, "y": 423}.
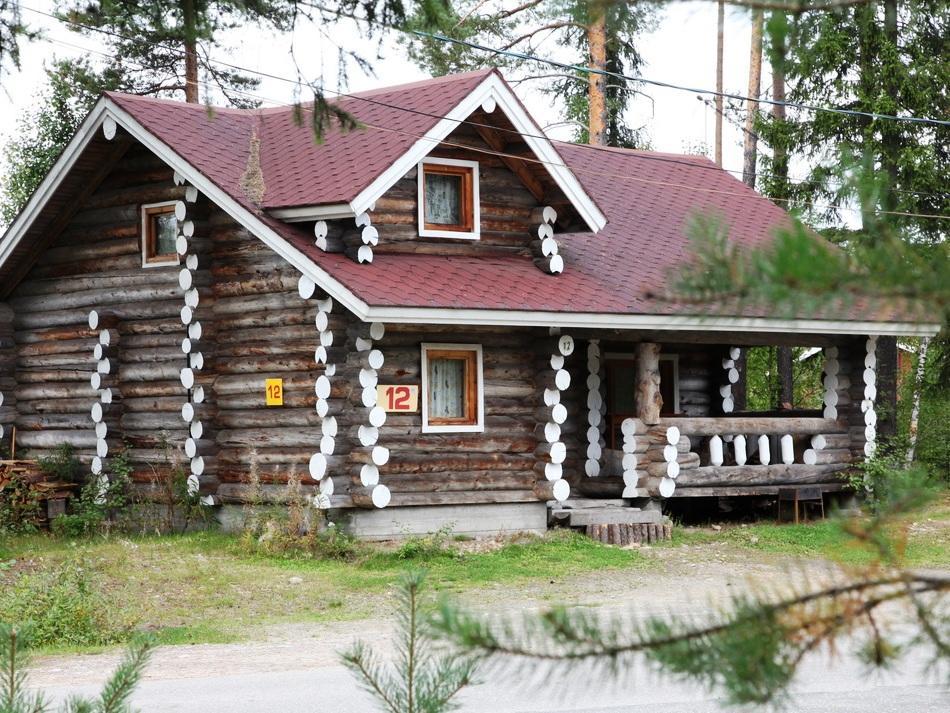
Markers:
{"x": 665, "y": 418}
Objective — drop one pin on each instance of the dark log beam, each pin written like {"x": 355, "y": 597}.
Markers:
{"x": 497, "y": 143}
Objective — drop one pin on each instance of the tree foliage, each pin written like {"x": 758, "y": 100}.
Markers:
{"x": 524, "y": 28}
{"x": 43, "y": 132}
{"x": 15, "y": 698}
{"x": 421, "y": 679}
{"x": 890, "y": 57}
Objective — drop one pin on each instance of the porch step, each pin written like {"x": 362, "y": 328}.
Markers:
{"x": 611, "y": 516}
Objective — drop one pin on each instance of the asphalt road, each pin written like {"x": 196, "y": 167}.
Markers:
{"x": 824, "y": 686}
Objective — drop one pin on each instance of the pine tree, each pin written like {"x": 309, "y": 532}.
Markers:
{"x": 421, "y": 680}
{"x": 15, "y": 698}
{"x": 600, "y": 34}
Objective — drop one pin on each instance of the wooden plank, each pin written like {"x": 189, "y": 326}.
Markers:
{"x": 756, "y": 425}
{"x": 740, "y": 491}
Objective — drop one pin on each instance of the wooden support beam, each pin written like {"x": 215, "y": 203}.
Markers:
{"x": 497, "y": 143}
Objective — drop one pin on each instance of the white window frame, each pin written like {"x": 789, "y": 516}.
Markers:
{"x": 479, "y": 425}
{"x": 476, "y": 217}
{"x": 143, "y": 236}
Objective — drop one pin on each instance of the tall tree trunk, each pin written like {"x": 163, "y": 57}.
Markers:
{"x": 720, "y": 40}
{"x": 752, "y": 105}
{"x": 890, "y": 130}
{"x": 780, "y": 145}
{"x": 191, "y": 50}
{"x": 597, "y": 83}
{"x": 915, "y": 409}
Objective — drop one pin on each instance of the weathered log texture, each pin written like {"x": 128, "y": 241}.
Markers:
{"x": 95, "y": 264}
{"x": 648, "y": 399}
{"x": 779, "y": 474}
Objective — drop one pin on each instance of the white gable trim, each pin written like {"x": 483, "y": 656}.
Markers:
{"x": 652, "y": 322}
{"x": 491, "y": 89}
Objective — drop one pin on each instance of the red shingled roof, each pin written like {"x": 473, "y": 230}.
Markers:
{"x": 648, "y": 198}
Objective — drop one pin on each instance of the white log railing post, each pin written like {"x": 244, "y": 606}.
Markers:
{"x": 367, "y": 490}
{"x": 595, "y": 400}
{"x": 551, "y": 451}
{"x": 545, "y": 248}
{"x": 102, "y": 382}
{"x": 320, "y": 462}
{"x": 635, "y": 445}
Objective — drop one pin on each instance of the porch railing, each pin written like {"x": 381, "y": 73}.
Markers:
{"x": 722, "y": 452}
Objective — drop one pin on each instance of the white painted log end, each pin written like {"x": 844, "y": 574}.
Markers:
{"x": 552, "y": 397}
{"x": 549, "y": 215}
{"x": 367, "y": 435}
{"x": 363, "y": 219}
{"x": 96, "y": 465}
{"x": 329, "y": 426}
{"x": 181, "y": 212}
{"x": 322, "y": 387}
{"x": 102, "y": 447}
{"x": 558, "y": 452}
{"x": 377, "y": 416}
{"x": 93, "y": 319}
{"x": 667, "y": 487}
{"x": 178, "y": 178}
{"x": 187, "y": 376}
{"x": 830, "y": 412}
{"x": 369, "y": 475}
{"x": 198, "y": 394}
{"x": 733, "y": 375}
{"x": 556, "y": 264}
{"x": 188, "y": 229}
{"x": 489, "y": 104}
{"x": 559, "y": 414}
{"x": 320, "y": 229}
{"x": 545, "y": 232}
{"x": 810, "y": 456}
{"x": 96, "y": 412}
{"x": 673, "y": 435}
{"x": 381, "y": 496}
{"x": 734, "y": 353}
{"x": 592, "y": 468}
{"x": 556, "y": 362}
{"x": 109, "y": 128}
{"x": 364, "y": 255}
{"x": 191, "y": 194}
{"x": 368, "y": 378}
{"x": 187, "y": 413}
{"x": 317, "y": 466}
{"x": 193, "y": 484}
{"x": 379, "y": 456}
{"x": 326, "y": 486}
{"x": 323, "y": 407}
{"x": 186, "y": 315}
{"x": 306, "y": 287}
{"x": 102, "y": 430}
{"x": 562, "y": 379}
{"x": 561, "y": 490}
{"x": 191, "y": 300}
{"x": 196, "y": 429}
{"x": 370, "y": 236}
{"x": 819, "y": 442}
{"x": 327, "y": 445}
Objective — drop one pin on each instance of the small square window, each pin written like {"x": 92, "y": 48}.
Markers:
{"x": 159, "y": 233}
{"x": 452, "y": 388}
{"x": 448, "y": 199}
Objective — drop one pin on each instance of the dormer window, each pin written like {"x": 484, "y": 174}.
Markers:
{"x": 448, "y": 198}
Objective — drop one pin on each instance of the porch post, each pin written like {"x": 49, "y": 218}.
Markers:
{"x": 648, "y": 399}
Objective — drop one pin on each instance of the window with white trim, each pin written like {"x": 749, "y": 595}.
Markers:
{"x": 453, "y": 399}
{"x": 448, "y": 198}
{"x": 159, "y": 233}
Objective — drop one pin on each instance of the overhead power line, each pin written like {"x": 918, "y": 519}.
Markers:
{"x": 668, "y": 85}
{"x": 622, "y": 177}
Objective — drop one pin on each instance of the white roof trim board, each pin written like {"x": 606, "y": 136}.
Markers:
{"x": 106, "y": 108}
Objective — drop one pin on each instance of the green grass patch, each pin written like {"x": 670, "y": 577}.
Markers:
{"x": 209, "y": 588}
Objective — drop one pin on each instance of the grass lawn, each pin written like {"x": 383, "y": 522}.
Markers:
{"x": 211, "y": 588}
{"x": 167, "y": 584}
{"x": 927, "y": 542}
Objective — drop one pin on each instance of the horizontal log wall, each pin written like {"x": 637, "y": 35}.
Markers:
{"x": 497, "y": 465}
{"x": 95, "y": 264}
{"x": 263, "y": 329}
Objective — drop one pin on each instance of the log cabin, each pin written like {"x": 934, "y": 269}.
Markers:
{"x": 441, "y": 317}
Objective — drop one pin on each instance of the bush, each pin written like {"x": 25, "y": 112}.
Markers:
{"x": 19, "y": 507}
{"x": 933, "y": 445}
{"x": 98, "y": 503}
{"x": 426, "y": 547}
{"x": 62, "y": 465}
{"x": 65, "y": 607}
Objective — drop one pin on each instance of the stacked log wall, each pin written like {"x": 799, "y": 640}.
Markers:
{"x": 497, "y": 465}
{"x": 263, "y": 329}
{"x": 96, "y": 264}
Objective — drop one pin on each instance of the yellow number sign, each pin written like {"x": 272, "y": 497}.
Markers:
{"x": 274, "y": 392}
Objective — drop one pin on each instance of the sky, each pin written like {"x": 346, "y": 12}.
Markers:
{"x": 681, "y": 50}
